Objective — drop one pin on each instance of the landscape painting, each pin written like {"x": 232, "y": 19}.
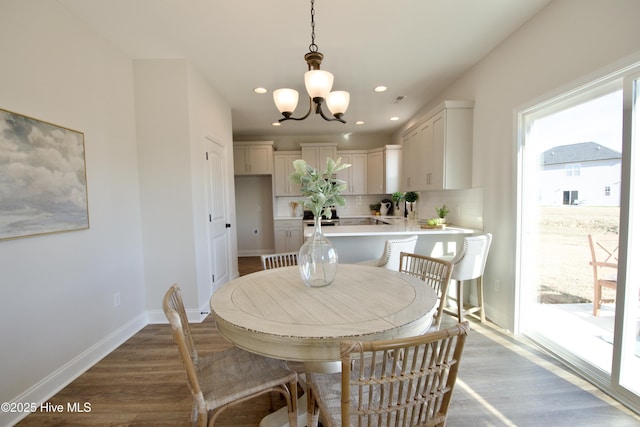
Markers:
{"x": 43, "y": 186}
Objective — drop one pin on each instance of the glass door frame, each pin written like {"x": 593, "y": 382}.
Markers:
{"x": 624, "y": 79}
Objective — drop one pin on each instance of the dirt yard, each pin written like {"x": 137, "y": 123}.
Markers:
{"x": 565, "y": 273}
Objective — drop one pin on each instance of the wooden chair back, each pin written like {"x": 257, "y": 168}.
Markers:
{"x": 401, "y": 383}
{"x": 434, "y": 272}
{"x": 279, "y": 260}
{"x": 604, "y": 261}
{"x": 176, "y": 314}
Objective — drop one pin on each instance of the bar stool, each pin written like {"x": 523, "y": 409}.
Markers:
{"x": 390, "y": 257}
{"x": 468, "y": 264}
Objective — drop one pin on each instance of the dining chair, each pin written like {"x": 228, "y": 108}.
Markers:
{"x": 390, "y": 257}
{"x": 278, "y": 260}
{"x": 435, "y": 272}
{"x": 225, "y": 378}
{"x": 395, "y": 383}
{"x": 468, "y": 264}
{"x": 604, "y": 260}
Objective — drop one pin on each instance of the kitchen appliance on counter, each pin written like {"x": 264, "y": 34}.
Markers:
{"x": 307, "y": 219}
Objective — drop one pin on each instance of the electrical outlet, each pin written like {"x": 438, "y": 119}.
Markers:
{"x": 496, "y": 285}
{"x": 116, "y": 300}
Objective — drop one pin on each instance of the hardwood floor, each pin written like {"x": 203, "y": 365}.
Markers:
{"x": 502, "y": 382}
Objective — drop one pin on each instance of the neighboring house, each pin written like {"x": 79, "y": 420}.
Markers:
{"x": 586, "y": 174}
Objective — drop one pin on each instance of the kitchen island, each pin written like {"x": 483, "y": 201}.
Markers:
{"x": 356, "y": 243}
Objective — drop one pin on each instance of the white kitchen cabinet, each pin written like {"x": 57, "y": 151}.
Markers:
{"x": 253, "y": 158}
{"x": 437, "y": 152}
{"x": 356, "y": 175}
{"x": 315, "y": 154}
{"x": 411, "y": 159}
{"x": 383, "y": 169}
{"x": 375, "y": 171}
{"x": 283, "y": 167}
{"x": 288, "y": 235}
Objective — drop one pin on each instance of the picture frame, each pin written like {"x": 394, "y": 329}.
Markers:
{"x": 43, "y": 183}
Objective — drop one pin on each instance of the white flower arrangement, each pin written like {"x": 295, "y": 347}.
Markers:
{"x": 321, "y": 188}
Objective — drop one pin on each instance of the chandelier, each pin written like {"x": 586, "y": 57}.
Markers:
{"x": 318, "y": 84}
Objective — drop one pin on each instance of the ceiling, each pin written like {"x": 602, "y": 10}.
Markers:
{"x": 414, "y": 47}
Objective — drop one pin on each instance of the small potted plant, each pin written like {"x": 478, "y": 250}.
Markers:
{"x": 397, "y": 198}
{"x": 411, "y": 197}
{"x": 442, "y": 213}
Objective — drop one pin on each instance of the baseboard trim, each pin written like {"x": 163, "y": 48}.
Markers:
{"x": 60, "y": 378}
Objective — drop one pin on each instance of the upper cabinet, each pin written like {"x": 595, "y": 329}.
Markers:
{"x": 253, "y": 158}
{"x": 315, "y": 154}
{"x": 283, "y": 165}
{"x": 356, "y": 175}
{"x": 383, "y": 169}
{"x": 437, "y": 151}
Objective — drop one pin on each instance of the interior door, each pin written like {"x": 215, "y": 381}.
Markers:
{"x": 217, "y": 185}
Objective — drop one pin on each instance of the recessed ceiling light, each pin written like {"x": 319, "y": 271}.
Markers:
{"x": 394, "y": 118}
{"x": 276, "y": 124}
{"x": 359, "y": 122}
{"x": 380, "y": 88}
{"x": 260, "y": 90}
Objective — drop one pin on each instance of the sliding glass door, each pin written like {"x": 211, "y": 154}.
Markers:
{"x": 577, "y": 201}
{"x": 627, "y": 343}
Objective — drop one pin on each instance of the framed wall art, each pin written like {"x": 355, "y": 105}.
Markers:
{"x": 43, "y": 184}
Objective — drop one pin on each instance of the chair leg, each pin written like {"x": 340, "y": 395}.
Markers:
{"x": 480, "y": 287}
{"x": 597, "y": 296}
{"x": 293, "y": 404}
{"x": 460, "y": 289}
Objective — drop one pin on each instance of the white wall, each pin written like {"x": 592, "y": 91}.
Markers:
{"x": 146, "y": 193}
{"x": 567, "y": 43}
{"x": 58, "y": 314}
{"x": 175, "y": 111}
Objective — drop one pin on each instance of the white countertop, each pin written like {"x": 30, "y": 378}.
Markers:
{"x": 397, "y": 226}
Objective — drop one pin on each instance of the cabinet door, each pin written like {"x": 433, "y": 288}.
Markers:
{"x": 260, "y": 160}
{"x": 317, "y": 156}
{"x": 283, "y": 167}
{"x": 252, "y": 160}
{"x": 281, "y": 236}
{"x": 425, "y": 172}
{"x": 375, "y": 173}
{"x": 295, "y": 239}
{"x": 437, "y": 180}
{"x": 323, "y": 153}
{"x": 239, "y": 161}
{"x": 358, "y": 174}
{"x": 410, "y": 159}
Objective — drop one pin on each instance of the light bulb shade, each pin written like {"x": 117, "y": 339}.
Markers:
{"x": 338, "y": 102}
{"x": 318, "y": 83}
{"x": 286, "y": 100}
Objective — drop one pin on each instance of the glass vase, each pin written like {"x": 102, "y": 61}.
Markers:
{"x": 317, "y": 259}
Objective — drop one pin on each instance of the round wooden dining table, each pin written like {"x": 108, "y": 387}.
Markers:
{"x": 274, "y": 314}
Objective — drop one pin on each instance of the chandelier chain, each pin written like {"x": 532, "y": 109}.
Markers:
{"x": 313, "y": 47}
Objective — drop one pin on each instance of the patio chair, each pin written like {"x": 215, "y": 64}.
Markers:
{"x": 604, "y": 260}
{"x": 279, "y": 260}
{"x": 390, "y": 257}
{"x": 402, "y": 382}
{"x": 226, "y": 378}
{"x": 435, "y": 272}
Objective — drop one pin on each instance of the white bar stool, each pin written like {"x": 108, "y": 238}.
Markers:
{"x": 468, "y": 264}
{"x": 390, "y": 257}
